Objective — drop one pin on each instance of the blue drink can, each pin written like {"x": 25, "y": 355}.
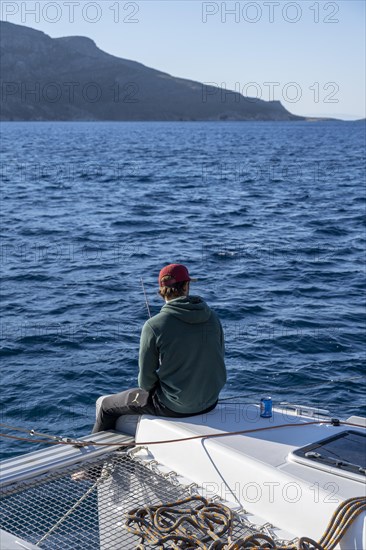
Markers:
{"x": 266, "y": 407}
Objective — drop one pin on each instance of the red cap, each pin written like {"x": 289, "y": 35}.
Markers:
{"x": 178, "y": 273}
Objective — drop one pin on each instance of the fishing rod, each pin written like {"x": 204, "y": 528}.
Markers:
{"x": 146, "y": 300}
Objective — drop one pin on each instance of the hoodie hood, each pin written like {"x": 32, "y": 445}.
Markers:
{"x": 189, "y": 309}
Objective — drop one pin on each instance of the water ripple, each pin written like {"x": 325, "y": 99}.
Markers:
{"x": 267, "y": 216}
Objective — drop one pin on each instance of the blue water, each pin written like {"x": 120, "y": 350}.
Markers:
{"x": 269, "y": 217}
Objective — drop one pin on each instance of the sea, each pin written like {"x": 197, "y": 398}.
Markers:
{"x": 268, "y": 216}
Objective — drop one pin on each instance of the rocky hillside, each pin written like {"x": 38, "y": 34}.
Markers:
{"x": 44, "y": 78}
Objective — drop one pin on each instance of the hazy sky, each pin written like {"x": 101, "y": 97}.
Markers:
{"x": 308, "y": 54}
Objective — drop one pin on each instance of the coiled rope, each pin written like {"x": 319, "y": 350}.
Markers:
{"x": 209, "y": 526}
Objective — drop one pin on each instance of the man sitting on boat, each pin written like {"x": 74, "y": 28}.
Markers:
{"x": 181, "y": 359}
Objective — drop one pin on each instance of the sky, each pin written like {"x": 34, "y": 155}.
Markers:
{"x": 310, "y": 55}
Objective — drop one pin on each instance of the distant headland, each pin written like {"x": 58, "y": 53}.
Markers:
{"x": 71, "y": 79}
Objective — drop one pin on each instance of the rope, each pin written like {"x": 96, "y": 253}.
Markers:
{"x": 54, "y": 438}
{"x": 79, "y": 443}
{"x": 209, "y": 526}
{"x": 175, "y": 523}
{"x": 343, "y": 517}
{"x": 31, "y": 432}
{"x": 105, "y": 474}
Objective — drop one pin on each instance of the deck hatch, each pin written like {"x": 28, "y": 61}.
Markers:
{"x": 345, "y": 451}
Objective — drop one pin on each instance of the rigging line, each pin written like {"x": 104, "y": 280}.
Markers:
{"x": 29, "y": 431}
{"x": 182, "y": 439}
{"x": 100, "y": 480}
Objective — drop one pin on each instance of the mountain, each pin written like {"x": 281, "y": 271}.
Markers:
{"x": 70, "y": 78}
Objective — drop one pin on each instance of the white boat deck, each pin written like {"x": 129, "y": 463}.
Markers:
{"x": 257, "y": 469}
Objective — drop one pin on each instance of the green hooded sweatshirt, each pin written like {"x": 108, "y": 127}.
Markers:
{"x": 182, "y": 352}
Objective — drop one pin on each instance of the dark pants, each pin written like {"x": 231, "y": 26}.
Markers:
{"x": 134, "y": 401}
